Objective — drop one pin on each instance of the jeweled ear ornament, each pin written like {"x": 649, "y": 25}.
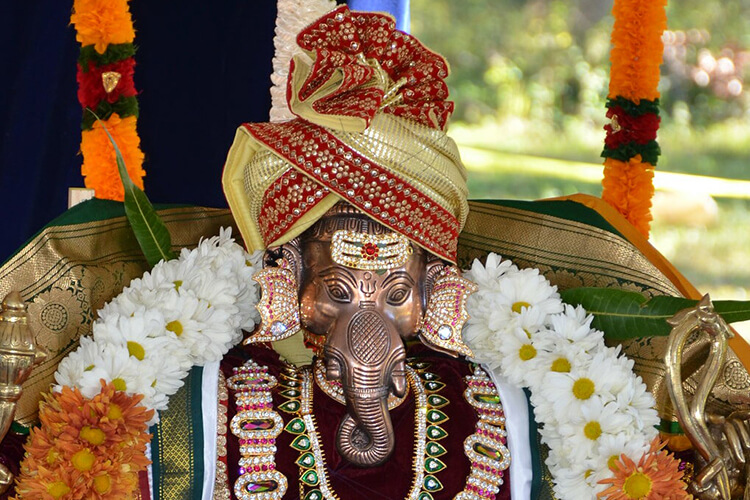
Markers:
{"x": 446, "y": 313}
{"x": 278, "y": 305}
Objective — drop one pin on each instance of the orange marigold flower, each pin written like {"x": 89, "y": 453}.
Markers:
{"x": 637, "y": 48}
{"x": 86, "y": 448}
{"x": 49, "y": 484}
{"x": 656, "y": 476}
{"x": 628, "y": 186}
{"x": 101, "y": 22}
{"x": 99, "y": 160}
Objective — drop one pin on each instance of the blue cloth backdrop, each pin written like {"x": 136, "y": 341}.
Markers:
{"x": 202, "y": 69}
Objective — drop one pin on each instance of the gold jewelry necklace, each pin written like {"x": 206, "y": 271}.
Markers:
{"x": 485, "y": 448}
{"x": 428, "y": 417}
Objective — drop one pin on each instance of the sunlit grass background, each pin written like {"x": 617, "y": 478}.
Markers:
{"x": 529, "y": 79}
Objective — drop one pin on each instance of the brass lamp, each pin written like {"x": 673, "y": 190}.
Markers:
{"x": 18, "y": 355}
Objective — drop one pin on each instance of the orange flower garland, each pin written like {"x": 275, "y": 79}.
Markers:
{"x": 85, "y": 448}
{"x": 631, "y": 154}
{"x": 102, "y": 22}
{"x": 656, "y": 476}
{"x": 628, "y": 186}
{"x": 98, "y": 151}
{"x": 105, "y": 77}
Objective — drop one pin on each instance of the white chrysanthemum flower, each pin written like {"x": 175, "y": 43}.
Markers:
{"x": 571, "y": 390}
{"x": 519, "y": 356}
{"x": 610, "y": 447}
{"x": 583, "y": 430}
{"x": 555, "y": 353}
{"x": 525, "y": 289}
{"x": 487, "y": 276}
{"x": 571, "y": 482}
{"x": 108, "y": 362}
{"x": 204, "y": 331}
{"x": 575, "y": 325}
{"x": 636, "y": 400}
{"x": 82, "y": 368}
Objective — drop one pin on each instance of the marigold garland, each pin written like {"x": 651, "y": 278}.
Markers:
{"x": 85, "y": 448}
{"x": 98, "y": 151}
{"x": 102, "y": 22}
{"x": 106, "y": 87}
{"x": 631, "y": 150}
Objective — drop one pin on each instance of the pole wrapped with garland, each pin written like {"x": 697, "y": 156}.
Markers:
{"x": 630, "y": 149}
{"x": 105, "y": 86}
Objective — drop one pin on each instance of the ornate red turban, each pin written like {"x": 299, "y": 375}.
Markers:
{"x": 371, "y": 108}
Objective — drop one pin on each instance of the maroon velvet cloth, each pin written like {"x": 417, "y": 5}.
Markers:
{"x": 11, "y": 453}
{"x": 391, "y": 480}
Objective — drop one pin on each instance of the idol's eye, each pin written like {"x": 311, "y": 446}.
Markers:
{"x": 398, "y": 294}
{"x": 338, "y": 290}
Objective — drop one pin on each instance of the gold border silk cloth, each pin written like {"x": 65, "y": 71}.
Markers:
{"x": 85, "y": 257}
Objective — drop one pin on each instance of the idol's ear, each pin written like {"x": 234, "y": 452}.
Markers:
{"x": 290, "y": 253}
{"x": 279, "y": 294}
{"x": 434, "y": 270}
{"x": 446, "y": 314}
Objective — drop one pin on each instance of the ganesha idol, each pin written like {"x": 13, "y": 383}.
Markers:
{"x": 358, "y": 204}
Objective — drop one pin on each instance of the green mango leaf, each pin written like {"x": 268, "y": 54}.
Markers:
{"x": 624, "y": 315}
{"x": 150, "y": 231}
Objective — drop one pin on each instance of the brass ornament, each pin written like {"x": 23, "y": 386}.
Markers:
{"x": 722, "y": 443}
{"x": 278, "y": 305}
{"x": 373, "y": 252}
{"x": 110, "y": 79}
{"x": 615, "y": 124}
{"x": 18, "y": 355}
{"x": 446, "y": 313}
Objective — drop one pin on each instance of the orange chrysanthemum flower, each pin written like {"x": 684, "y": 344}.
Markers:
{"x": 99, "y": 160}
{"x": 85, "y": 448}
{"x": 102, "y": 22}
{"x": 628, "y": 186}
{"x": 656, "y": 476}
{"x": 637, "y": 48}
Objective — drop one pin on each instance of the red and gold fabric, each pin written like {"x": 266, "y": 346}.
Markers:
{"x": 371, "y": 110}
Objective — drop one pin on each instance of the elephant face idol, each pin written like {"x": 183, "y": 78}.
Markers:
{"x": 359, "y": 289}
{"x": 362, "y": 288}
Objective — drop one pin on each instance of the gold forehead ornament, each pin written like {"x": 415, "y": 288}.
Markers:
{"x": 371, "y": 252}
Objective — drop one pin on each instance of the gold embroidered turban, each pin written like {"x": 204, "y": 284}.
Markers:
{"x": 371, "y": 110}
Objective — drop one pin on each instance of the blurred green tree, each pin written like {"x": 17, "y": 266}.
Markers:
{"x": 546, "y": 60}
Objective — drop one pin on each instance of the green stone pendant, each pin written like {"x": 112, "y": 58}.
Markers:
{"x": 296, "y": 426}
{"x": 435, "y": 449}
{"x": 291, "y": 406}
{"x": 306, "y": 460}
{"x": 310, "y": 478}
{"x": 436, "y": 433}
{"x": 301, "y": 443}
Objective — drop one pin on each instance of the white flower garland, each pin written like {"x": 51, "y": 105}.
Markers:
{"x": 192, "y": 310}
{"x": 591, "y": 405}
{"x": 184, "y": 312}
{"x": 292, "y": 17}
